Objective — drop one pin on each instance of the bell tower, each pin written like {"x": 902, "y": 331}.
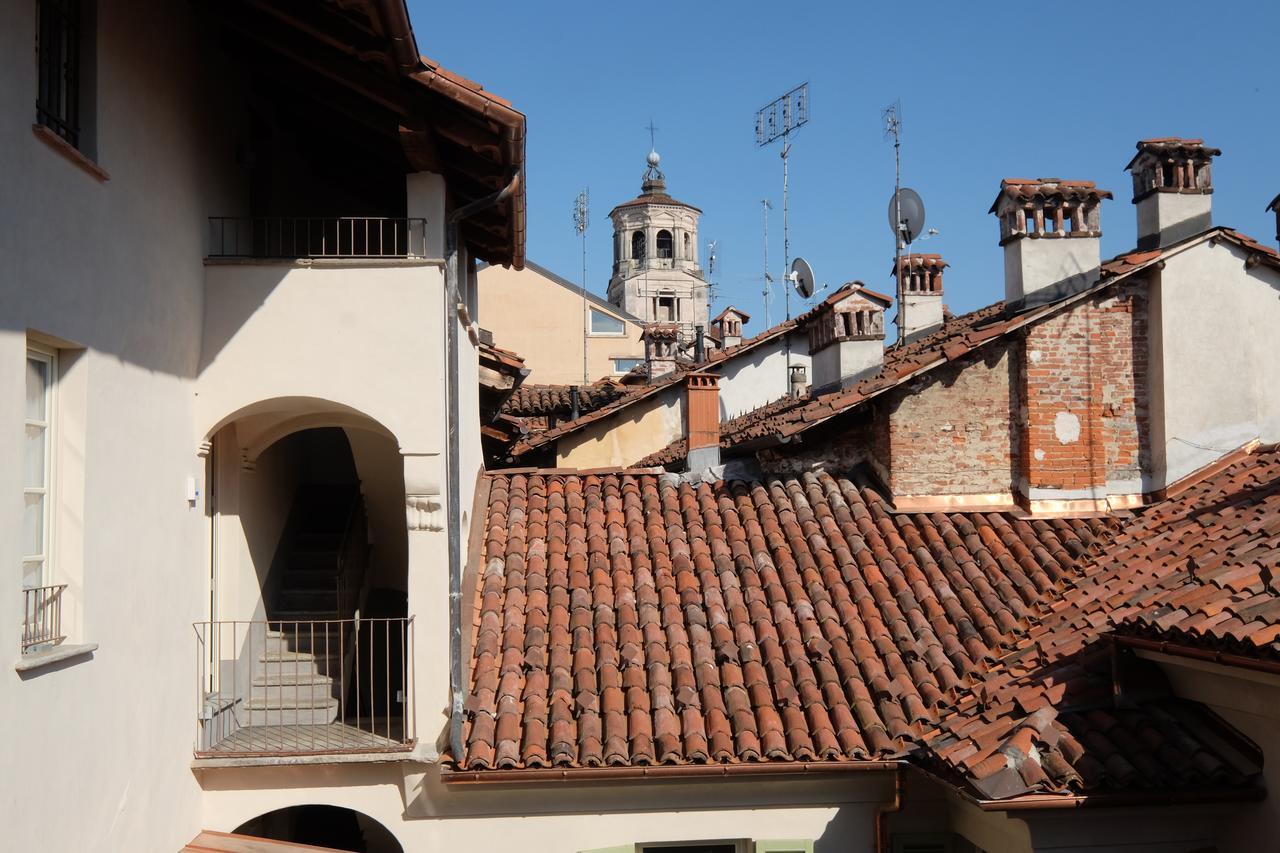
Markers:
{"x": 656, "y": 275}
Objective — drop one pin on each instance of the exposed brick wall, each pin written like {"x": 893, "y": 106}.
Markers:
{"x": 948, "y": 432}
{"x": 843, "y": 446}
{"x": 1123, "y": 356}
{"x": 1084, "y": 408}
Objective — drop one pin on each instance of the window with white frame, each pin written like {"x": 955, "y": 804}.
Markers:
{"x": 606, "y": 324}
{"x": 626, "y": 365}
{"x": 37, "y": 466}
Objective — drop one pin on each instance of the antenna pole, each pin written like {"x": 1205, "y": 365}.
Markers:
{"x": 786, "y": 255}
{"x": 765, "y": 206}
{"x": 580, "y": 218}
{"x": 893, "y": 125}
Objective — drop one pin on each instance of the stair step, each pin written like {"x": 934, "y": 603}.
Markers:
{"x": 269, "y": 716}
{"x": 303, "y": 580}
{"x": 263, "y": 696}
{"x": 302, "y": 680}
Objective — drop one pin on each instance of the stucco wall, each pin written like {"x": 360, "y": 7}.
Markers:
{"x": 541, "y": 320}
{"x": 114, "y": 269}
{"x": 1214, "y": 371}
{"x": 632, "y": 434}
{"x": 761, "y": 376}
{"x": 559, "y": 817}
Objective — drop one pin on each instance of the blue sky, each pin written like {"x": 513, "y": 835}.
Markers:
{"x": 987, "y": 91}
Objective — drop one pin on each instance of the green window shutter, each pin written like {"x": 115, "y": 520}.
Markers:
{"x": 624, "y": 848}
{"x": 788, "y": 845}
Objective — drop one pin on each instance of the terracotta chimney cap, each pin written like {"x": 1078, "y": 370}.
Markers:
{"x": 1055, "y": 189}
{"x": 1164, "y": 146}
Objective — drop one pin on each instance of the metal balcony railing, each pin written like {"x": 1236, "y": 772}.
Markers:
{"x": 294, "y": 237}
{"x": 270, "y": 688}
{"x": 42, "y": 617}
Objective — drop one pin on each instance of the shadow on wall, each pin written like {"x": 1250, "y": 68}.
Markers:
{"x": 324, "y": 826}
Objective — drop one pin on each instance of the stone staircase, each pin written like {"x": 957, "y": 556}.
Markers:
{"x": 298, "y": 673}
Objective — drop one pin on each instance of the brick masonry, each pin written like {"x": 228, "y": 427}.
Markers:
{"x": 1083, "y": 410}
{"x": 948, "y": 432}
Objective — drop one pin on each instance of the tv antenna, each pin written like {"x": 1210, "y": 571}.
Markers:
{"x": 906, "y": 208}
{"x": 581, "y": 217}
{"x": 766, "y": 206}
{"x": 776, "y": 120}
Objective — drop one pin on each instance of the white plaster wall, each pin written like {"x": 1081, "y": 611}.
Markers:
{"x": 1214, "y": 373}
{"x": 750, "y": 381}
{"x": 95, "y": 752}
{"x": 360, "y": 334}
{"x": 629, "y": 436}
{"x": 559, "y": 817}
{"x": 1042, "y": 270}
{"x": 1166, "y": 218}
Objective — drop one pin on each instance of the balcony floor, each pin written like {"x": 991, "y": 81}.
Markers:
{"x": 302, "y": 740}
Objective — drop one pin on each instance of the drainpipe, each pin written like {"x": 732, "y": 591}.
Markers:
{"x": 883, "y": 812}
{"x": 453, "y": 522}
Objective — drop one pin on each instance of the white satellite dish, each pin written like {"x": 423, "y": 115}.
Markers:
{"x": 802, "y": 277}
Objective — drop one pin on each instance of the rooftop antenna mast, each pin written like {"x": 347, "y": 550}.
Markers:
{"x": 766, "y": 206}
{"x": 906, "y": 209}
{"x": 713, "y": 248}
{"x": 580, "y": 220}
{"x": 778, "y": 120}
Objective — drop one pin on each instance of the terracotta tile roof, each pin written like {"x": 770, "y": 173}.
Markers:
{"x": 628, "y": 618}
{"x": 958, "y": 337}
{"x": 1202, "y": 568}
{"x": 542, "y": 400}
{"x": 654, "y": 198}
{"x": 1197, "y": 569}
{"x": 731, "y": 310}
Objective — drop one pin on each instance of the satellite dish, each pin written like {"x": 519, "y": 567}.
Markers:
{"x": 802, "y": 277}
{"x": 912, "y": 214}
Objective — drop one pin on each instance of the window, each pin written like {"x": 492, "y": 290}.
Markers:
{"x": 637, "y": 245}
{"x": 666, "y": 310}
{"x": 64, "y": 98}
{"x": 606, "y": 324}
{"x": 626, "y": 365}
{"x": 37, "y": 466}
{"x": 664, "y": 244}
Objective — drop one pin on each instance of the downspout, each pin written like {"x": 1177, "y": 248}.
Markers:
{"x": 883, "y": 812}
{"x": 453, "y": 521}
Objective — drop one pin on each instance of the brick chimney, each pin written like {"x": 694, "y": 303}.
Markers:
{"x": 846, "y": 335}
{"x": 1275, "y": 205}
{"x": 660, "y": 341}
{"x": 728, "y": 326}
{"x": 1173, "y": 189}
{"x": 702, "y": 421}
{"x": 921, "y": 309}
{"x": 1051, "y": 236}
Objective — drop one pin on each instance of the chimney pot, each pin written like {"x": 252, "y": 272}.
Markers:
{"x": 1173, "y": 189}
{"x": 920, "y": 309}
{"x": 660, "y": 340}
{"x": 699, "y": 345}
{"x": 728, "y": 325}
{"x": 702, "y": 421}
{"x": 846, "y": 335}
{"x": 1050, "y": 230}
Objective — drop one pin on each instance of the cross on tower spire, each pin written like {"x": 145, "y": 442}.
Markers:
{"x": 653, "y": 130}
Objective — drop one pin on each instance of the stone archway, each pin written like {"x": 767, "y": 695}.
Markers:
{"x": 334, "y": 827}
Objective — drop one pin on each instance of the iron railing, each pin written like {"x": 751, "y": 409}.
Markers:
{"x": 270, "y": 688}
{"x": 42, "y": 617}
{"x": 293, "y": 237}
{"x": 351, "y": 562}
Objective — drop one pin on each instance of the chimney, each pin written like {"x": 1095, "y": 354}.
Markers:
{"x": 574, "y": 404}
{"x": 920, "y": 311}
{"x": 702, "y": 421}
{"x": 1275, "y": 205}
{"x": 846, "y": 335}
{"x": 1172, "y": 187}
{"x": 1051, "y": 236}
{"x": 799, "y": 379}
{"x": 728, "y": 325}
{"x": 660, "y": 341}
{"x": 699, "y": 345}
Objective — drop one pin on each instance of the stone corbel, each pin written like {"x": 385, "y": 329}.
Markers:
{"x": 423, "y": 504}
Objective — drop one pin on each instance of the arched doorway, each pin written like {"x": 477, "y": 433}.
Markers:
{"x": 323, "y": 826}
{"x": 306, "y": 648}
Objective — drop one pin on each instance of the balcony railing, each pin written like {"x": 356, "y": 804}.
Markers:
{"x": 291, "y": 238}
{"x": 42, "y": 617}
{"x": 274, "y": 688}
